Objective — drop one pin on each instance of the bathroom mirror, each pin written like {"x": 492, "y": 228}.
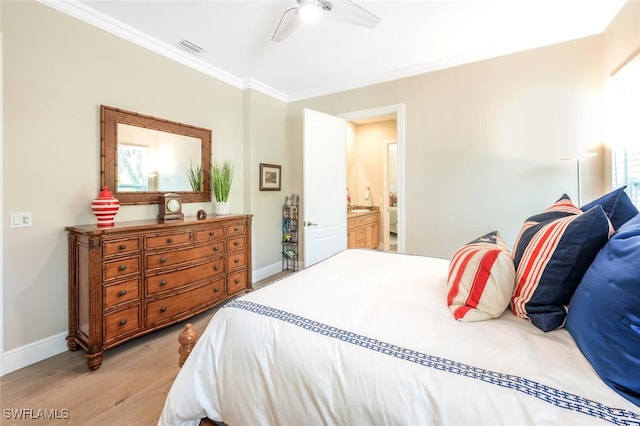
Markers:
{"x": 143, "y": 157}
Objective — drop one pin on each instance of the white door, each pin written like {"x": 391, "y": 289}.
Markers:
{"x": 325, "y": 189}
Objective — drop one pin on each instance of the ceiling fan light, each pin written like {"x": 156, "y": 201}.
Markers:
{"x": 309, "y": 12}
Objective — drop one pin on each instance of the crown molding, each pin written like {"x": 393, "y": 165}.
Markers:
{"x": 86, "y": 14}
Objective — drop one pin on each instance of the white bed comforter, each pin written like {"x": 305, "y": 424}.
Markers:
{"x": 366, "y": 338}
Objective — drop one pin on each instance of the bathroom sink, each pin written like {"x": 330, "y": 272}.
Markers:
{"x": 360, "y": 210}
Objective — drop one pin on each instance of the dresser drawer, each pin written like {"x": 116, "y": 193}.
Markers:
{"x": 175, "y": 279}
{"x": 124, "y": 246}
{"x": 126, "y": 291}
{"x": 236, "y": 243}
{"x": 236, "y": 229}
{"x": 159, "y": 260}
{"x": 172, "y": 307}
{"x": 210, "y": 234}
{"x": 236, "y": 260}
{"x": 120, "y": 267}
{"x": 237, "y": 282}
{"x": 167, "y": 240}
{"x": 120, "y": 323}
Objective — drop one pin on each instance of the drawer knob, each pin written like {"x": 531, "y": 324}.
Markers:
{"x": 216, "y": 267}
{"x": 163, "y": 259}
{"x": 236, "y": 260}
{"x": 237, "y": 281}
{"x": 122, "y": 292}
{"x": 212, "y": 233}
{"x": 163, "y": 283}
{"x": 236, "y": 229}
{"x": 123, "y": 322}
{"x": 236, "y": 243}
{"x": 122, "y": 246}
{"x": 215, "y": 290}
{"x": 122, "y": 268}
{"x": 216, "y": 248}
{"x": 169, "y": 240}
{"x": 163, "y": 309}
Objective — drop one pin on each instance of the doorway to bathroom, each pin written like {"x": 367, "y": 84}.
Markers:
{"x": 375, "y": 168}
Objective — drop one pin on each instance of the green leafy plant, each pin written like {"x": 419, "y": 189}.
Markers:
{"x": 221, "y": 178}
{"x": 194, "y": 174}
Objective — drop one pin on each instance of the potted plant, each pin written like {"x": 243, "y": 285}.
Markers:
{"x": 221, "y": 179}
{"x": 194, "y": 174}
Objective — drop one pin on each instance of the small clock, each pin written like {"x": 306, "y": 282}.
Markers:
{"x": 170, "y": 207}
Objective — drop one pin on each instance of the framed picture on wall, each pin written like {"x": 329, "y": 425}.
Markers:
{"x": 269, "y": 177}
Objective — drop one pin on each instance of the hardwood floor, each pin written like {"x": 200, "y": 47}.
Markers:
{"x": 128, "y": 389}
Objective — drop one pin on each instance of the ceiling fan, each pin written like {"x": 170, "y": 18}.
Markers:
{"x": 309, "y": 10}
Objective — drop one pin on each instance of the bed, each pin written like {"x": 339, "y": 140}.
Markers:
{"x": 365, "y": 338}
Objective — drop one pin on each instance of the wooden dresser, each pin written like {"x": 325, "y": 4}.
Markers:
{"x": 136, "y": 277}
{"x": 363, "y": 230}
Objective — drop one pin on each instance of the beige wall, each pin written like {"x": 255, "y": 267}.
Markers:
{"x": 365, "y": 160}
{"x": 622, "y": 37}
{"x": 621, "y": 41}
{"x": 265, "y": 120}
{"x": 1, "y": 196}
{"x": 58, "y": 71}
{"x": 484, "y": 141}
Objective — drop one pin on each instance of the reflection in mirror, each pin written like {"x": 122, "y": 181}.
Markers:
{"x": 392, "y": 173}
{"x": 143, "y": 157}
{"x": 392, "y": 181}
{"x": 150, "y": 160}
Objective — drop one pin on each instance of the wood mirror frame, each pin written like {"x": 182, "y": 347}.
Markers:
{"x": 110, "y": 118}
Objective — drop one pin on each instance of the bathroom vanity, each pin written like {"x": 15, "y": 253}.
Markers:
{"x": 363, "y": 228}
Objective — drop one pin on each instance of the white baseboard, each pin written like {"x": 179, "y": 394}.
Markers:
{"x": 21, "y": 357}
{"x": 265, "y": 272}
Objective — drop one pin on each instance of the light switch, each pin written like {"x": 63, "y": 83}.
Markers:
{"x": 20, "y": 220}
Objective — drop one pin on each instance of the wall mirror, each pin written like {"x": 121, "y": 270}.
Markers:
{"x": 143, "y": 157}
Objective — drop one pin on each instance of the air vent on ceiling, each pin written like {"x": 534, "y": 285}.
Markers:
{"x": 192, "y": 47}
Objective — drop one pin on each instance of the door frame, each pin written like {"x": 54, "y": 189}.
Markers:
{"x": 399, "y": 111}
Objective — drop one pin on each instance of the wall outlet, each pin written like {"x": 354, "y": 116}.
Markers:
{"x": 20, "y": 220}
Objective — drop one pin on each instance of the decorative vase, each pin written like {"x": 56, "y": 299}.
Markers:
{"x": 105, "y": 207}
{"x": 222, "y": 207}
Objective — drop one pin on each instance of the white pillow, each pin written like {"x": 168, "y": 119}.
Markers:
{"x": 481, "y": 279}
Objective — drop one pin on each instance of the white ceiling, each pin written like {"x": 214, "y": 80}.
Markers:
{"x": 413, "y": 37}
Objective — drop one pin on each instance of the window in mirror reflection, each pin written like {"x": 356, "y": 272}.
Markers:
{"x": 150, "y": 160}
{"x": 132, "y": 161}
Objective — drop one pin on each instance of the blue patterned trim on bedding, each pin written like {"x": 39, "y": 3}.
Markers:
{"x": 546, "y": 393}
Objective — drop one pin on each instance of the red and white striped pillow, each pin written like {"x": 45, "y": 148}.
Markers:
{"x": 481, "y": 279}
{"x": 552, "y": 252}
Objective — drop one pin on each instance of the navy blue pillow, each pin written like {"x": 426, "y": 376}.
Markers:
{"x": 551, "y": 254}
{"x": 604, "y": 312}
{"x": 617, "y": 205}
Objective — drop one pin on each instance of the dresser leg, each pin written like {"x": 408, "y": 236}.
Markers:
{"x": 71, "y": 343}
{"x": 94, "y": 361}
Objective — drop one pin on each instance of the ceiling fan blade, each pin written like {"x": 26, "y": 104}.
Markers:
{"x": 349, "y": 12}
{"x": 288, "y": 23}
